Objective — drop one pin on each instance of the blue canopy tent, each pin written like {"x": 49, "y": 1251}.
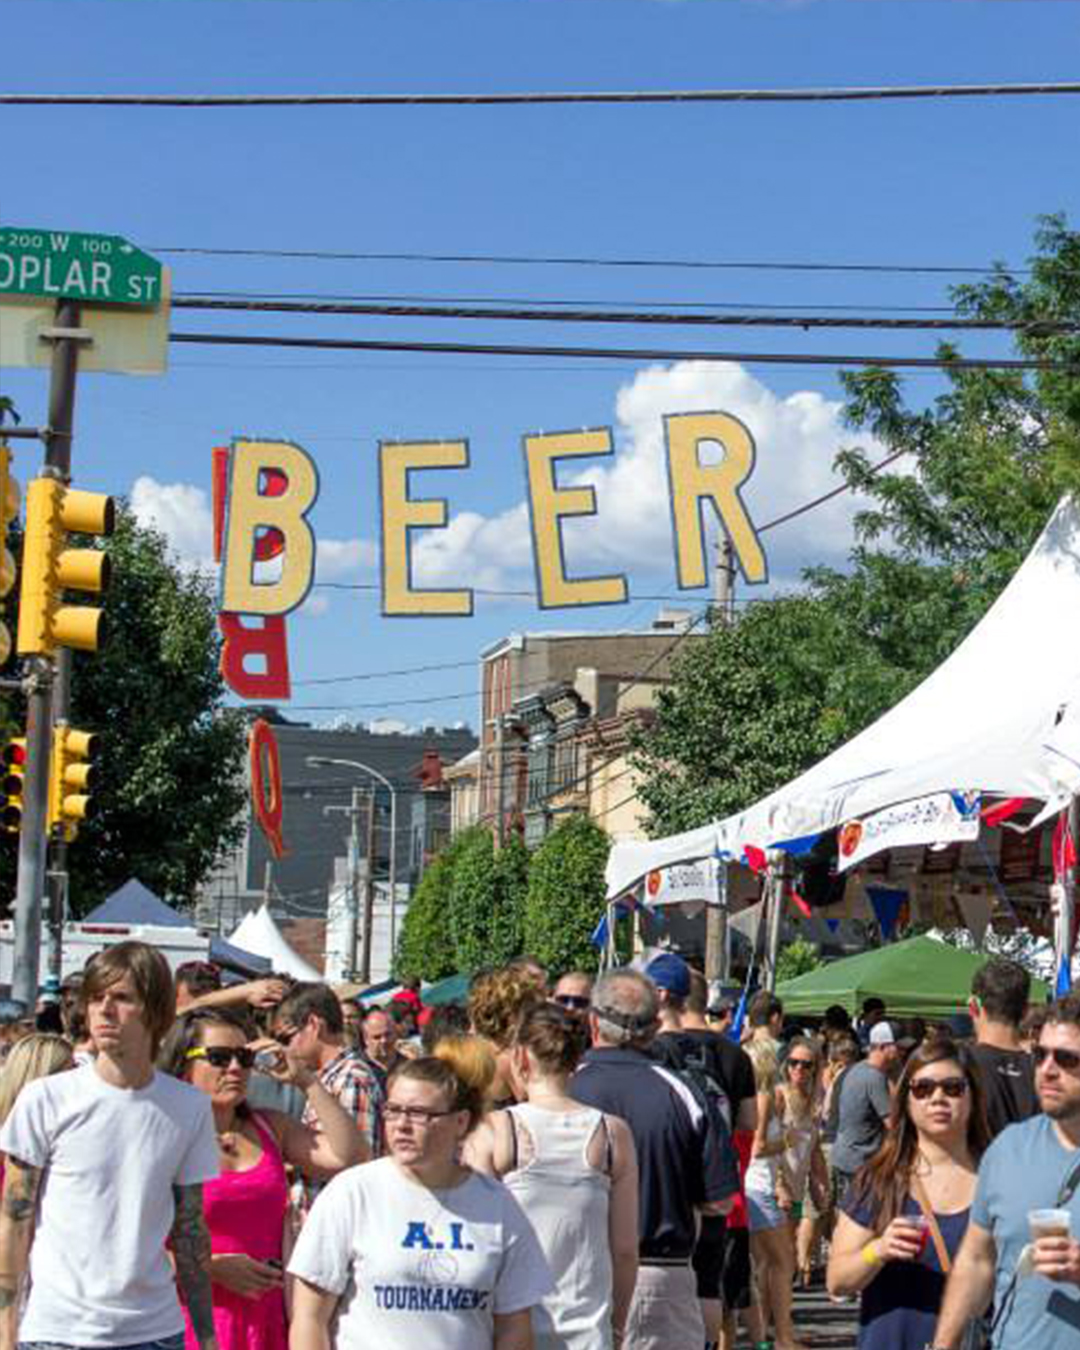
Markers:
{"x": 135, "y": 903}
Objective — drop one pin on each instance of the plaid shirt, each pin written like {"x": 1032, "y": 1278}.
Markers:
{"x": 350, "y": 1079}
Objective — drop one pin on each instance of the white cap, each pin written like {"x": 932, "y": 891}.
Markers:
{"x": 881, "y": 1033}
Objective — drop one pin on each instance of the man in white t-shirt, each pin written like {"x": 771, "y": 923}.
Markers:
{"x": 105, "y": 1164}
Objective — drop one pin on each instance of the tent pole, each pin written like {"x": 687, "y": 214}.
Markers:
{"x": 774, "y": 910}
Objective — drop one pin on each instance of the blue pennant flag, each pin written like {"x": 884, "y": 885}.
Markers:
{"x": 886, "y": 904}
{"x": 1064, "y": 979}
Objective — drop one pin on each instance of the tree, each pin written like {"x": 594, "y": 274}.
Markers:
{"x": 486, "y": 901}
{"x": 979, "y": 472}
{"x": 170, "y": 788}
{"x": 798, "y": 958}
{"x": 424, "y": 950}
{"x": 566, "y": 896}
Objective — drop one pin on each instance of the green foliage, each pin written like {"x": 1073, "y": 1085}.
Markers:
{"x": 979, "y": 473}
{"x": 170, "y": 787}
{"x": 797, "y": 958}
{"x": 566, "y": 895}
{"x": 485, "y": 902}
{"x": 424, "y": 950}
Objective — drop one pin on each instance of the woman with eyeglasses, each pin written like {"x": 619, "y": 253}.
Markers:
{"x": 416, "y": 1249}
{"x": 246, "y": 1204}
{"x": 806, "y": 1170}
{"x": 907, "y": 1209}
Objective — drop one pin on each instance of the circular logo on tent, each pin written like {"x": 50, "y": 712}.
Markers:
{"x": 653, "y": 883}
{"x": 850, "y": 837}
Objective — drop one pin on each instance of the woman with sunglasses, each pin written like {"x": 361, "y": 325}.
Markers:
{"x": 907, "y": 1208}
{"x": 806, "y": 1170}
{"x": 416, "y": 1251}
{"x": 246, "y": 1204}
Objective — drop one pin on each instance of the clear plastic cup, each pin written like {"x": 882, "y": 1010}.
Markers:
{"x": 1046, "y": 1223}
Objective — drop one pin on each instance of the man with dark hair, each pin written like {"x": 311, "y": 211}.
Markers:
{"x": 309, "y": 1020}
{"x": 873, "y": 1011}
{"x": 765, "y": 1018}
{"x": 683, "y": 1171}
{"x": 999, "y": 1000}
{"x": 1029, "y": 1270}
{"x": 105, "y": 1164}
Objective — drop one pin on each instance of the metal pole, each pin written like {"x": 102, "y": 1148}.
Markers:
{"x": 775, "y": 910}
{"x": 369, "y": 893}
{"x": 393, "y": 871}
{"x": 354, "y": 888}
{"x": 29, "y": 885}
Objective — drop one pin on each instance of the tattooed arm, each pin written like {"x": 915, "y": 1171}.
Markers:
{"x": 191, "y": 1252}
{"x": 21, "y": 1185}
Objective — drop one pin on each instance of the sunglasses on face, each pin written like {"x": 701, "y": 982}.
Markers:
{"x": 1069, "y": 1060}
{"x": 221, "y": 1056}
{"x": 922, "y": 1088}
{"x": 576, "y": 1002}
{"x": 801, "y": 1064}
{"x": 284, "y": 1036}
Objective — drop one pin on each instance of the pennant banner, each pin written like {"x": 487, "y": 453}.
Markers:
{"x": 976, "y": 909}
{"x": 887, "y": 905}
{"x": 748, "y": 921}
{"x": 941, "y": 818}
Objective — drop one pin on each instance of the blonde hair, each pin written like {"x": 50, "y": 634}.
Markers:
{"x": 35, "y": 1056}
{"x": 462, "y": 1066}
{"x": 766, "y": 1065}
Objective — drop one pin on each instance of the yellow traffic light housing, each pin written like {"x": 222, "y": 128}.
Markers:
{"x": 10, "y": 497}
{"x": 71, "y": 777}
{"x": 11, "y": 812}
{"x": 49, "y": 568}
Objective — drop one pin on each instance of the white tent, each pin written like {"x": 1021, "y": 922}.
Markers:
{"x": 258, "y": 933}
{"x": 1001, "y": 715}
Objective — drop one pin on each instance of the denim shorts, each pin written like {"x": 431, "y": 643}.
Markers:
{"x": 164, "y": 1343}
{"x": 762, "y": 1212}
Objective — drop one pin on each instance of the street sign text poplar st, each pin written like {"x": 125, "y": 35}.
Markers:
{"x": 97, "y": 269}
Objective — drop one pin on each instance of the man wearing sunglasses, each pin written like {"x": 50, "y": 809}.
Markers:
{"x": 573, "y": 992}
{"x": 1031, "y": 1165}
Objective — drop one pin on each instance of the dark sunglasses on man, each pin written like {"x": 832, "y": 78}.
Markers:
{"x": 221, "y": 1056}
{"x": 1069, "y": 1060}
{"x": 572, "y": 1002}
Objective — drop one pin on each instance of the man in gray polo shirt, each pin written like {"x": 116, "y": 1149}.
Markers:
{"x": 863, "y": 1108}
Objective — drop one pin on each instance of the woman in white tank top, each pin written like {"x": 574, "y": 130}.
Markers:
{"x": 573, "y": 1170}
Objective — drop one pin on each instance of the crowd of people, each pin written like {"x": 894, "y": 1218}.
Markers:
{"x": 579, "y": 1164}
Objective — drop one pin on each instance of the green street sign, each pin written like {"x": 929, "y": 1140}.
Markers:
{"x": 98, "y": 269}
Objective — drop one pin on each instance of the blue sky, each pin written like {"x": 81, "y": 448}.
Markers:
{"x": 955, "y": 184}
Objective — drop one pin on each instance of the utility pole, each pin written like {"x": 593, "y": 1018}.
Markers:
{"x": 369, "y": 895}
{"x": 30, "y": 884}
{"x": 717, "y": 940}
{"x": 774, "y": 910}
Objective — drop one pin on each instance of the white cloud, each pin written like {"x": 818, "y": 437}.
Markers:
{"x": 181, "y": 512}
{"x": 797, "y": 439}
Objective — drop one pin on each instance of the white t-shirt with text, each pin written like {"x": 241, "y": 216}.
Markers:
{"x": 110, "y": 1156}
{"x": 419, "y": 1268}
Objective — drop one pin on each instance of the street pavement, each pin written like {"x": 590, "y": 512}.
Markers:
{"x": 823, "y": 1325}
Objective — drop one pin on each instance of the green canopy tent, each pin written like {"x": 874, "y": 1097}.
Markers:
{"x": 920, "y": 977}
{"x": 453, "y": 989}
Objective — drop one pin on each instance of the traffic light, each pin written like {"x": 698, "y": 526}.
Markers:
{"x": 14, "y": 767}
{"x": 71, "y": 776}
{"x": 50, "y": 567}
{"x": 9, "y": 509}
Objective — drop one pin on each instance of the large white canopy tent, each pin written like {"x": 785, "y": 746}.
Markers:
{"x": 258, "y": 933}
{"x": 1000, "y": 716}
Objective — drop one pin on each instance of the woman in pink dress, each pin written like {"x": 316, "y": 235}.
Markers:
{"x": 246, "y": 1206}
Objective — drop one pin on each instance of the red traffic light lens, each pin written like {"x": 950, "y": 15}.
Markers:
{"x": 15, "y": 754}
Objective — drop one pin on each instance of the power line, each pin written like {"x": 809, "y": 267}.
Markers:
{"x": 538, "y": 314}
{"x": 839, "y": 94}
{"x": 541, "y": 260}
{"x": 556, "y": 301}
{"x": 637, "y": 354}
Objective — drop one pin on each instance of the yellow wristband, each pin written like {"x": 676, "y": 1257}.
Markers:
{"x": 870, "y": 1253}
